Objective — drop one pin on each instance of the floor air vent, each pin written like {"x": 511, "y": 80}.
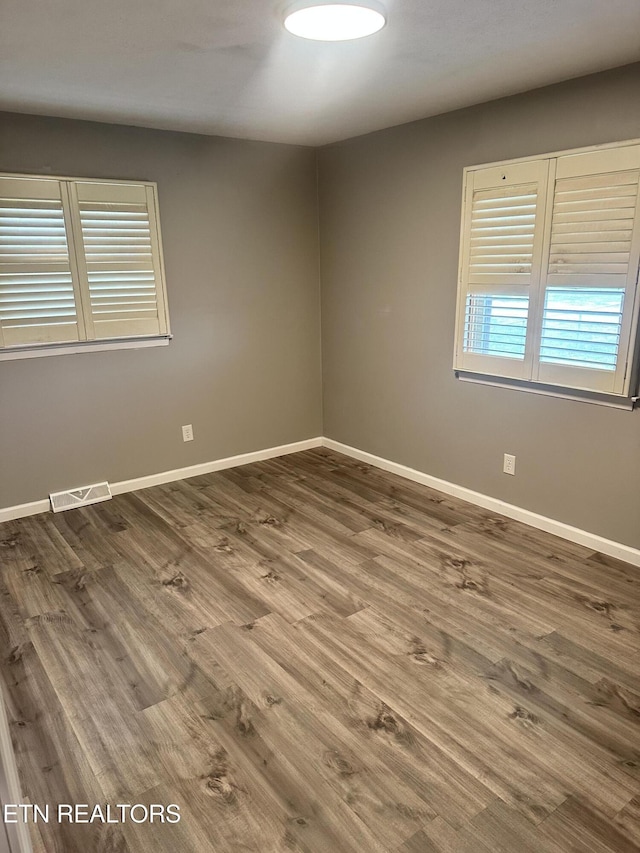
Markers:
{"x": 83, "y": 496}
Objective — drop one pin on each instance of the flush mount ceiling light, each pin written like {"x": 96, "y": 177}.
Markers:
{"x": 334, "y": 21}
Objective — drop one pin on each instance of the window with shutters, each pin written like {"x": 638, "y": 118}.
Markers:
{"x": 80, "y": 264}
{"x": 549, "y": 261}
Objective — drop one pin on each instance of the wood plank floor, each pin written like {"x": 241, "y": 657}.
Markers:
{"x": 309, "y": 654}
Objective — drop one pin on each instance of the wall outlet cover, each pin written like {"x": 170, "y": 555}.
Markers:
{"x": 509, "y": 466}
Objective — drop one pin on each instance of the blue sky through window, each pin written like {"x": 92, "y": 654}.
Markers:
{"x": 580, "y": 326}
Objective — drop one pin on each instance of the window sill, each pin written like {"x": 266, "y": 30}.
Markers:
{"x": 593, "y": 397}
{"x": 40, "y": 350}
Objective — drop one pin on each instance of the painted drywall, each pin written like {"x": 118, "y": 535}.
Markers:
{"x": 239, "y": 226}
{"x": 390, "y": 222}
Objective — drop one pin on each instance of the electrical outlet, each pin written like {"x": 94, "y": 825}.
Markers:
{"x": 187, "y": 433}
{"x": 509, "y": 466}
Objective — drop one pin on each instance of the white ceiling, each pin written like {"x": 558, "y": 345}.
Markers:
{"x": 228, "y": 67}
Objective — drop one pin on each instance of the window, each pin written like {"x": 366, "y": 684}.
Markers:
{"x": 549, "y": 261}
{"x": 80, "y": 261}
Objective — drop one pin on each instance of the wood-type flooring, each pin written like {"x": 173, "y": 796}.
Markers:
{"x": 310, "y": 654}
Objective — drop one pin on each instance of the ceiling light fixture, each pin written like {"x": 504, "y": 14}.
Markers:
{"x": 334, "y": 21}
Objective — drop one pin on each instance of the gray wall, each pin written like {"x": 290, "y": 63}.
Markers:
{"x": 390, "y": 218}
{"x": 239, "y": 222}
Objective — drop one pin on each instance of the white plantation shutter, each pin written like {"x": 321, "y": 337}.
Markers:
{"x": 120, "y": 259}
{"x": 590, "y": 281}
{"x": 500, "y": 259}
{"x": 549, "y": 270}
{"x": 37, "y": 293}
{"x": 79, "y": 261}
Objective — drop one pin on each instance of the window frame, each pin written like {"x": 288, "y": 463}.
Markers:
{"x": 530, "y": 373}
{"x": 68, "y": 186}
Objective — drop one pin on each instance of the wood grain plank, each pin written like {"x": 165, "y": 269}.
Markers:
{"x": 310, "y": 654}
{"x": 376, "y": 728}
{"x": 387, "y": 806}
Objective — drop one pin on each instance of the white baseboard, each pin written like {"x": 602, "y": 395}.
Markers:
{"x": 541, "y": 522}
{"x": 10, "y": 788}
{"x": 22, "y": 510}
{"x": 8, "y": 513}
{"x": 216, "y": 465}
